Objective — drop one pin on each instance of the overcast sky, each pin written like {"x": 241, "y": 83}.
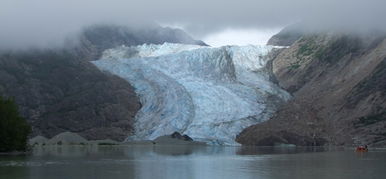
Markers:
{"x": 46, "y": 22}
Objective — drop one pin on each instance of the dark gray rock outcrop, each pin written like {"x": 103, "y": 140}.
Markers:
{"x": 177, "y": 135}
{"x": 176, "y": 139}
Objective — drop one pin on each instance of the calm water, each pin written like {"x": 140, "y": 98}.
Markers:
{"x": 192, "y": 162}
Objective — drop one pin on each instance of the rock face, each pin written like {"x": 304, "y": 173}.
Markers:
{"x": 339, "y": 86}
{"x": 59, "y": 90}
{"x": 210, "y": 94}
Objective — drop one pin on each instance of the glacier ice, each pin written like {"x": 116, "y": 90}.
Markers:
{"x": 210, "y": 94}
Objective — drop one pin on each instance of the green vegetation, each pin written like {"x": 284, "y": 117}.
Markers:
{"x": 372, "y": 119}
{"x": 308, "y": 46}
{"x": 13, "y": 128}
{"x": 338, "y": 48}
{"x": 313, "y": 47}
{"x": 294, "y": 66}
{"x": 306, "y": 49}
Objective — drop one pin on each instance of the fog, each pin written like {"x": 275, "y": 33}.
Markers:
{"x": 231, "y": 36}
{"x": 26, "y": 23}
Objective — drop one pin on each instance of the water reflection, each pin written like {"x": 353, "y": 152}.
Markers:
{"x": 163, "y": 161}
{"x": 250, "y": 150}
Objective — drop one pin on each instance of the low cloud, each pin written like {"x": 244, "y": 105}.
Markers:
{"x": 27, "y": 23}
{"x": 240, "y": 37}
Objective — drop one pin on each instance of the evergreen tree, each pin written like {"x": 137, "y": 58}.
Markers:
{"x": 13, "y": 128}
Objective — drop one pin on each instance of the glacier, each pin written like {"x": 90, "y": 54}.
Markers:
{"x": 210, "y": 94}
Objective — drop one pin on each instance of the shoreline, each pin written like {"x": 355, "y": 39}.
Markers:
{"x": 15, "y": 153}
{"x": 185, "y": 146}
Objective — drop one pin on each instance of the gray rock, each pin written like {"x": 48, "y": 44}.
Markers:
{"x": 176, "y": 139}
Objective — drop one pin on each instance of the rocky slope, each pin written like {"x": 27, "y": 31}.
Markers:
{"x": 339, "y": 86}
{"x": 59, "y": 90}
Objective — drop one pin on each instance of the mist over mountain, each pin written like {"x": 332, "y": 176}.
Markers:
{"x": 47, "y": 23}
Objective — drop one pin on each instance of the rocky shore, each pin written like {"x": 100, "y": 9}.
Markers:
{"x": 70, "y": 138}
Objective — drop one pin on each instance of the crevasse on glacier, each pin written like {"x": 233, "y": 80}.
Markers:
{"x": 210, "y": 94}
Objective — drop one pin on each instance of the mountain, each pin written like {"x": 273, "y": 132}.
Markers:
{"x": 59, "y": 90}
{"x": 339, "y": 92}
{"x": 209, "y": 94}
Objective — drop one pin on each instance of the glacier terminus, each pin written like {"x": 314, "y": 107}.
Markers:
{"x": 210, "y": 94}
